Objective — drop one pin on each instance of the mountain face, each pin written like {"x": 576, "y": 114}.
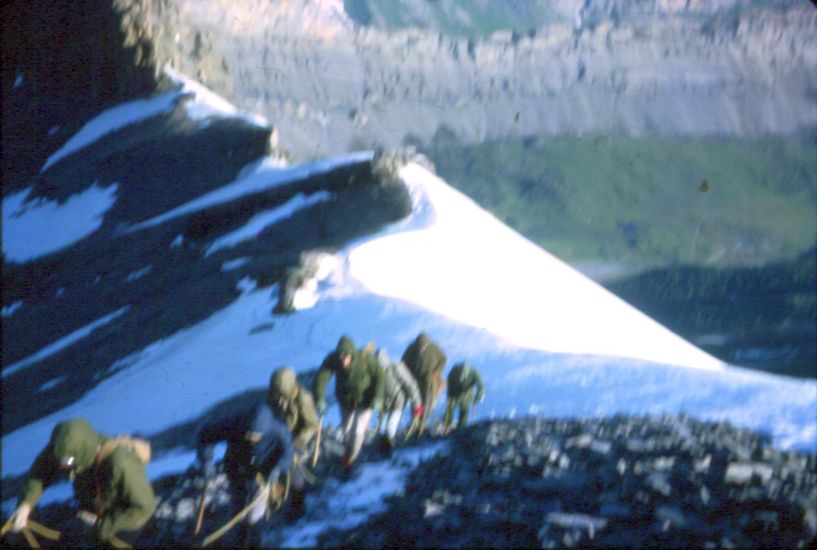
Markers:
{"x": 332, "y": 84}
{"x": 165, "y": 258}
{"x": 621, "y": 68}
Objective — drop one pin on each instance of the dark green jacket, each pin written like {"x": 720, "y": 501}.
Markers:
{"x": 126, "y": 497}
{"x": 462, "y": 379}
{"x": 423, "y": 357}
{"x": 297, "y": 411}
{"x": 358, "y": 385}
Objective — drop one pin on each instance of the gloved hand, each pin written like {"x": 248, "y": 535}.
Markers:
{"x": 88, "y": 518}
{"x": 19, "y": 518}
{"x": 321, "y": 405}
{"x": 417, "y": 411}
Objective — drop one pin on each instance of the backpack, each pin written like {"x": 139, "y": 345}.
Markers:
{"x": 140, "y": 448}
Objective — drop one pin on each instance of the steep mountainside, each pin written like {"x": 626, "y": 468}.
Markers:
{"x": 332, "y": 85}
{"x": 450, "y": 75}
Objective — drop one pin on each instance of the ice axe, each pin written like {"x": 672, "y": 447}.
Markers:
{"x": 235, "y": 519}
{"x": 316, "y": 452}
{"x": 30, "y": 528}
{"x": 200, "y": 516}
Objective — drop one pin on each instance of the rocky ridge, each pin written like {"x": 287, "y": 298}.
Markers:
{"x": 658, "y": 482}
{"x": 665, "y": 482}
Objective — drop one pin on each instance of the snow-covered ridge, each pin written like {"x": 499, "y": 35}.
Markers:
{"x": 544, "y": 336}
{"x": 200, "y": 104}
{"x": 461, "y": 262}
{"x": 259, "y": 176}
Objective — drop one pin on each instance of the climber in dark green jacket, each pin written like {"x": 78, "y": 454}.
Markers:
{"x": 463, "y": 383}
{"x": 359, "y": 386}
{"x": 426, "y": 361}
{"x": 110, "y": 484}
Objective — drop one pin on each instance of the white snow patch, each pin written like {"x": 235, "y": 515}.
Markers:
{"x": 230, "y": 265}
{"x": 497, "y": 280}
{"x": 63, "y": 343}
{"x": 246, "y": 285}
{"x": 588, "y": 386}
{"x": 9, "y": 310}
{"x": 329, "y": 271}
{"x": 35, "y": 228}
{"x": 52, "y": 383}
{"x": 345, "y": 505}
{"x": 178, "y": 241}
{"x": 138, "y": 274}
{"x": 114, "y": 119}
{"x": 204, "y": 104}
{"x": 264, "y": 219}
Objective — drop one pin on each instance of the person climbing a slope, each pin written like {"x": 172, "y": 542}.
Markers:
{"x": 359, "y": 384}
{"x": 400, "y": 388}
{"x": 426, "y": 361}
{"x": 293, "y": 405}
{"x": 111, "y": 486}
{"x": 465, "y": 389}
{"x": 259, "y": 453}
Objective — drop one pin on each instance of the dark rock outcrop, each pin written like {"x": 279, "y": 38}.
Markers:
{"x": 63, "y": 63}
{"x": 620, "y": 482}
{"x": 666, "y": 482}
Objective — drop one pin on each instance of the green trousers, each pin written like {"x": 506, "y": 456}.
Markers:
{"x": 461, "y": 402}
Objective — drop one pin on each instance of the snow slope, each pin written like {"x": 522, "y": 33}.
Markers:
{"x": 478, "y": 271}
{"x": 561, "y": 347}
